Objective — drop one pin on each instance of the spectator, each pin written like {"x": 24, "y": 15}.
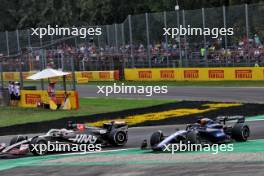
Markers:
{"x": 257, "y": 40}
{"x": 51, "y": 90}
{"x": 17, "y": 93}
{"x": 11, "y": 85}
{"x": 202, "y": 52}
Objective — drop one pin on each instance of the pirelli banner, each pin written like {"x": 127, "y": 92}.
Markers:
{"x": 91, "y": 75}
{"x": 97, "y": 75}
{"x": 15, "y": 76}
{"x": 195, "y": 74}
{"x": 30, "y": 98}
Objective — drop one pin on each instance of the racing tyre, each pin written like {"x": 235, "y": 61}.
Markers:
{"x": 240, "y": 132}
{"x": 192, "y": 137}
{"x": 41, "y": 146}
{"x": 156, "y": 138}
{"x": 17, "y": 139}
{"x": 118, "y": 138}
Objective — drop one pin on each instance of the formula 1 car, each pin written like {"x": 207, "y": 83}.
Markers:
{"x": 111, "y": 134}
{"x": 224, "y": 129}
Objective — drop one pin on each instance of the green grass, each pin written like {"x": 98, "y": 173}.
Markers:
{"x": 88, "y": 106}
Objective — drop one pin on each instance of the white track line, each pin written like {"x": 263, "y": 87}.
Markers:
{"x": 255, "y": 120}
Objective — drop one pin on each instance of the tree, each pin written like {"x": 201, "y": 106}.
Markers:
{"x": 32, "y": 13}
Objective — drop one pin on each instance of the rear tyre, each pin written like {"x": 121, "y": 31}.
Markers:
{"x": 156, "y": 138}
{"x": 240, "y": 132}
{"x": 118, "y": 138}
{"x": 17, "y": 139}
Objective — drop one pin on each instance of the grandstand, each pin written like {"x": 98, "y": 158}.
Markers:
{"x": 138, "y": 43}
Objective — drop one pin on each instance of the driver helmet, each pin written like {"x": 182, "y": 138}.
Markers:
{"x": 70, "y": 125}
{"x": 203, "y": 121}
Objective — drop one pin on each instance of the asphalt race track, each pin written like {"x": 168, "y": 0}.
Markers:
{"x": 181, "y": 169}
{"x": 222, "y": 94}
{"x": 136, "y": 135}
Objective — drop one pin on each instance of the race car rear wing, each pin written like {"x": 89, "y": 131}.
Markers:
{"x": 224, "y": 119}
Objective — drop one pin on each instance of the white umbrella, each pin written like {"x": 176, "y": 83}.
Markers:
{"x": 47, "y": 73}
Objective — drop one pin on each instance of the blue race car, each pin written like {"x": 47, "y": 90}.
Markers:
{"x": 224, "y": 129}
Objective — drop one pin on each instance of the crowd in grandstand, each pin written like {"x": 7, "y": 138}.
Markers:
{"x": 246, "y": 52}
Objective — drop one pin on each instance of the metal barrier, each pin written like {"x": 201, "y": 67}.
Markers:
{"x": 139, "y": 42}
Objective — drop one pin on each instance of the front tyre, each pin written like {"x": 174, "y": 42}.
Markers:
{"x": 38, "y": 147}
{"x": 155, "y": 139}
